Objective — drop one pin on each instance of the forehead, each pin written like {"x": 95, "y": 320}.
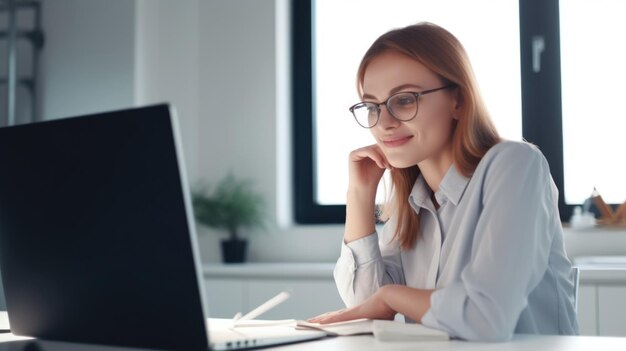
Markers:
{"x": 391, "y": 69}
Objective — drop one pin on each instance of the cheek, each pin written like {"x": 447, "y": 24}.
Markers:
{"x": 436, "y": 124}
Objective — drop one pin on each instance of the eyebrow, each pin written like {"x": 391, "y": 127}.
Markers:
{"x": 395, "y": 90}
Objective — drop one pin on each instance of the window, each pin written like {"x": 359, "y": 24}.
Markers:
{"x": 592, "y": 74}
{"x": 516, "y": 57}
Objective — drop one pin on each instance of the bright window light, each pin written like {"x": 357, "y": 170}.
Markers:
{"x": 592, "y": 75}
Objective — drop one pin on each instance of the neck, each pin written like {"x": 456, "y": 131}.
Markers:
{"x": 434, "y": 169}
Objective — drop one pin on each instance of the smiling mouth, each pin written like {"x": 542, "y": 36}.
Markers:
{"x": 397, "y": 142}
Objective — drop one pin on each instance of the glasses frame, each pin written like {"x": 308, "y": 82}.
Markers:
{"x": 386, "y": 103}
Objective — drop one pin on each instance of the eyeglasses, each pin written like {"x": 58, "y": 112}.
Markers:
{"x": 402, "y": 106}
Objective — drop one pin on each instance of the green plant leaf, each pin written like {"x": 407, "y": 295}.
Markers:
{"x": 231, "y": 205}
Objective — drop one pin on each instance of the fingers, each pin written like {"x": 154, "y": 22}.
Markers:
{"x": 338, "y": 317}
{"x": 323, "y": 316}
{"x": 375, "y": 307}
{"x": 372, "y": 152}
{"x": 333, "y": 317}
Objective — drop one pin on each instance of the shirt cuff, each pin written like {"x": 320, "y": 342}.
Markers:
{"x": 363, "y": 250}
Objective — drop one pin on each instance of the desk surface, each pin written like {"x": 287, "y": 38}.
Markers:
{"x": 520, "y": 342}
{"x": 368, "y": 343}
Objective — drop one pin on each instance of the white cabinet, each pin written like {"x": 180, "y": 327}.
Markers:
{"x": 240, "y": 288}
{"x": 602, "y": 301}
{"x": 602, "y": 309}
{"x": 612, "y": 310}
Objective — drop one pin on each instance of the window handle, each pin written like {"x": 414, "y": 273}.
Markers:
{"x": 539, "y": 45}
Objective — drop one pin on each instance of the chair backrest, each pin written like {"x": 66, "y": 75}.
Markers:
{"x": 576, "y": 272}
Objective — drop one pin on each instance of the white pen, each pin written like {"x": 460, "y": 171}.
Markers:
{"x": 264, "y": 307}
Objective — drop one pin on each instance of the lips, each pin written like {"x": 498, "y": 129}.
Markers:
{"x": 396, "y": 141}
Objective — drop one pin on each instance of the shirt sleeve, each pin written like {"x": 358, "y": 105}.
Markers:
{"x": 510, "y": 250}
{"x": 365, "y": 265}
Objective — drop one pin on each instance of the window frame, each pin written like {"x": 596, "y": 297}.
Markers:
{"x": 541, "y": 104}
{"x": 306, "y": 210}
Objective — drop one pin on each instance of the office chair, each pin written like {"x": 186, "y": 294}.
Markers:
{"x": 576, "y": 272}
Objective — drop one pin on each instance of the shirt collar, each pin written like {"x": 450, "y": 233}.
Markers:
{"x": 420, "y": 194}
{"x": 452, "y": 187}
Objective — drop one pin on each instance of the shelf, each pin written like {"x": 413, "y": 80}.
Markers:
{"x": 286, "y": 270}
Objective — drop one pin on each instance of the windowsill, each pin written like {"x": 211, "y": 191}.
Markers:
{"x": 598, "y": 241}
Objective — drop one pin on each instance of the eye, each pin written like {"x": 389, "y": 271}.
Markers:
{"x": 403, "y": 101}
{"x": 371, "y": 108}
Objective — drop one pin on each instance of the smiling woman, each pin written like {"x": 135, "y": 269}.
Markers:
{"x": 472, "y": 242}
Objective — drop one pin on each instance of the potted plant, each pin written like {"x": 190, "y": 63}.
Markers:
{"x": 231, "y": 205}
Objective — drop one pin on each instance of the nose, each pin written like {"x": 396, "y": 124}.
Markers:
{"x": 386, "y": 120}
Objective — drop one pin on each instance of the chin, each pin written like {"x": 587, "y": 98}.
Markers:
{"x": 404, "y": 162}
{"x": 401, "y": 164}
{"x": 403, "y": 159}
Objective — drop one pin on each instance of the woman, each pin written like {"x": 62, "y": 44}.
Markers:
{"x": 473, "y": 244}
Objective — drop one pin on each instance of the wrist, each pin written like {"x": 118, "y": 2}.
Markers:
{"x": 383, "y": 295}
{"x": 361, "y": 193}
{"x": 360, "y": 215}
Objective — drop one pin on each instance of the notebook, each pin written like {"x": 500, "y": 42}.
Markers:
{"x": 97, "y": 239}
{"x": 382, "y": 330}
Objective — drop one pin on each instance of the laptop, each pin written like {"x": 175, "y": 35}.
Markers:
{"x": 97, "y": 236}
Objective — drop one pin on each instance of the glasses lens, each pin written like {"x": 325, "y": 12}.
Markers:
{"x": 366, "y": 114}
{"x": 403, "y": 106}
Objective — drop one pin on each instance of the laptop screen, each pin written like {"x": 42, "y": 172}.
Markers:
{"x": 96, "y": 243}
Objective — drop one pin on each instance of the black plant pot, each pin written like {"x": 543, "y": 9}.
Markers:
{"x": 234, "y": 251}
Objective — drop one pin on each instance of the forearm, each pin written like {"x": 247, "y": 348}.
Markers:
{"x": 360, "y": 214}
{"x": 387, "y": 301}
{"x": 411, "y": 302}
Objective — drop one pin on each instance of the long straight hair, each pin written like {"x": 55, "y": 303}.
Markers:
{"x": 473, "y": 134}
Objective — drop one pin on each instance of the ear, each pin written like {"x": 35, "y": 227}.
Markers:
{"x": 458, "y": 104}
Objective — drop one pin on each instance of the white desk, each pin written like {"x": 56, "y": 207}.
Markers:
{"x": 520, "y": 342}
{"x": 368, "y": 343}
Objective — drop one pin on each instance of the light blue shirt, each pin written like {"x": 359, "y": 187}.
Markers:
{"x": 493, "y": 251}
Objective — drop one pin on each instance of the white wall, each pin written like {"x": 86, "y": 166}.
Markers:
{"x": 242, "y": 66}
{"x": 87, "y": 59}
{"x": 166, "y": 65}
{"x": 222, "y": 64}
